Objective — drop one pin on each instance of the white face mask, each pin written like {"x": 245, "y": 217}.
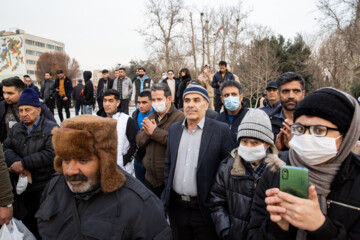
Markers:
{"x": 159, "y": 107}
{"x": 252, "y": 154}
{"x": 314, "y": 150}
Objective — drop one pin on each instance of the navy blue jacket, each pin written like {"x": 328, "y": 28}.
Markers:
{"x": 223, "y": 117}
{"x": 215, "y": 146}
{"x": 218, "y": 78}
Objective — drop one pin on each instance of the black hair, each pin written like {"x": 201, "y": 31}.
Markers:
{"x": 122, "y": 69}
{"x": 114, "y": 92}
{"x": 26, "y": 76}
{"x": 48, "y": 73}
{"x": 231, "y": 83}
{"x": 289, "y": 77}
{"x": 105, "y": 71}
{"x": 14, "y": 82}
{"x": 170, "y": 70}
{"x": 161, "y": 87}
{"x": 146, "y": 93}
{"x": 187, "y": 73}
{"x": 59, "y": 71}
{"x": 222, "y": 63}
{"x": 141, "y": 68}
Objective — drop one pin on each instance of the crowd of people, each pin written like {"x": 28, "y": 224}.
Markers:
{"x": 191, "y": 162}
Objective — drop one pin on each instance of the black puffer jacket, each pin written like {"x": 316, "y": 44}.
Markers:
{"x": 231, "y": 196}
{"x": 34, "y": 150}
{"x": 131, "y": 212}
{"x": 343, "y": 215}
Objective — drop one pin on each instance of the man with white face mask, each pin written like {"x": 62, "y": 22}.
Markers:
{"x": 326, "y": 127}
{"x": 238, "y": 175}
{"x": 232, "y": 96}
{"x": 154, "y": 134}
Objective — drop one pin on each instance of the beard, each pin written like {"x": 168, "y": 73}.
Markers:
{"x": 290, "y": 105}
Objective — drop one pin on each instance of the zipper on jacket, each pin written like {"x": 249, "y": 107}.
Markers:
{"x": 328, "y": 202}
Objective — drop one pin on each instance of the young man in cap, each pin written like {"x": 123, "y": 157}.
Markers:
{"x": 104, "y": 83}
{"x": 273, "y": 98}
{"x": 195, "y": 148}
{"x": 326, "y": 127}
{"x": 63, "y": 86}
{"x": 91, "y": 198}
{"x": 29, "y": 154}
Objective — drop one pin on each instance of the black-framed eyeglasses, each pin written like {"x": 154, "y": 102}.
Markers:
{"x": 315, "y": 130}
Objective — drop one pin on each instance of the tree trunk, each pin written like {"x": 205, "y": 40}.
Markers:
{"x": 193, "y": 45}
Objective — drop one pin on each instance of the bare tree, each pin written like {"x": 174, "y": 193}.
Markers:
{"x": 53, "y": 61}
{"x": 160, "y": 31}
{"x": 342, "y": 18}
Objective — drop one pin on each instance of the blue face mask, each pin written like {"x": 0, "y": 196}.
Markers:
{"x": 232, "y": 103}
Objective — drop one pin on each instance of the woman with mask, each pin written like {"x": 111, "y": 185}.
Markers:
{"x": 185, "y": 77}
{"x": 238, "y": 175}
{"x": 326, "y": 127}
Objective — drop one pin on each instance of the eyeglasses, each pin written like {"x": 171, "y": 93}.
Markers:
{"x": 315, "y": 130}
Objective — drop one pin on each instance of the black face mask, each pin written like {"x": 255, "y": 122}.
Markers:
{"x": 141, "y": 75}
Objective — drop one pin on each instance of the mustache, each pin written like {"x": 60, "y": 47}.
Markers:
{"x": 77, "y": 177}
{"x": 191, "y": 110}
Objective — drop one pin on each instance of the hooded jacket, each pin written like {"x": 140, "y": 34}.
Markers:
{"x": 88, "y": 94}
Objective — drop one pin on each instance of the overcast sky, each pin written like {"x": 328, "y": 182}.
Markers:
{"x": 101, "y": 33}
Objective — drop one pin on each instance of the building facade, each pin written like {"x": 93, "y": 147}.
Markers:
{"x": 19, "y": 53}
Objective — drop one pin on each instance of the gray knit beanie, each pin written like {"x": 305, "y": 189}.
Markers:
{"x": 256, "y": 124}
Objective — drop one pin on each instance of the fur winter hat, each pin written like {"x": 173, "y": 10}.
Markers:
{"x": 82, "y": 136}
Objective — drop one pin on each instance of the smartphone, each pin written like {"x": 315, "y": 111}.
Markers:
{"x": 294, "y": 180}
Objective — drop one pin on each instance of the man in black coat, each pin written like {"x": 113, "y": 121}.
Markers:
{"x": 48, "y": 92}
{"x": 195, "y": 148}
{"x": 104, "y": 83}
{"x": 29, "y": 155}
{"x": 63, "y": 87}
{"x": 97, "y": 199}
{"x": 88, "y": 94}
{"x": 219, "y": 78}
{"x": 76, "y": 94}
{"x": 9, "y": 111}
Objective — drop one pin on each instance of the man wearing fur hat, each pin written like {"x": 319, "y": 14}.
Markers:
{"x": 29, "y": 156}
{"x": 92, "y": 198}
{"x": 326, "y": 127}
{"x": 126, "y": 129}
{"x": 195, "y": 149}
{"x": 238, "y": 175}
